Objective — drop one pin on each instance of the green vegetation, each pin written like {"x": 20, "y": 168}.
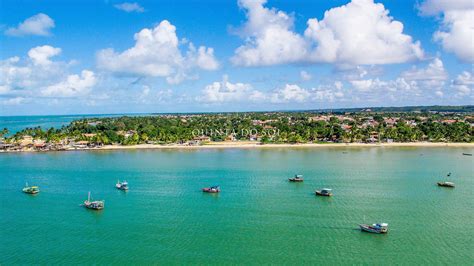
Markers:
{"x": 273, "y": 127}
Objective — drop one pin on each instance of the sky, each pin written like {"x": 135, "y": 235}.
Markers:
{"x": 103, "y": 57}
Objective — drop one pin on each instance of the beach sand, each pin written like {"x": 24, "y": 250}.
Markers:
{"x": 250, "y": 144}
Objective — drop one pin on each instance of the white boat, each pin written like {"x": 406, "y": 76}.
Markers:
{"x": 122, "y": 185}
{"x": 380, "y": 228}
{"x": 94, "y": 205}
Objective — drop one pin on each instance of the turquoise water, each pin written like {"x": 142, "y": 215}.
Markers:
{"x": 258, "y": 217}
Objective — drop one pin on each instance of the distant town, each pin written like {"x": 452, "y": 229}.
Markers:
{"x": 365, "y": 126}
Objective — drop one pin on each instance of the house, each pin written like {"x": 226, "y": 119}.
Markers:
{"x": 449, "y": 121}
{"x": 373, "y": 136}
{"x": 200, "y": 139}
{"x": 81, "y": 144}
{"x": 89, "y": 135}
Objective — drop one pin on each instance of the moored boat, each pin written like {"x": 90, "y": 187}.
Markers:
{"x": 213, "y": 189}
{"x": 446, "y": 184}
{"x": 327, "y": 192}
{"x": 30, "y": 190}
{"x": 94, "y": 205}
{"x": 122, "y": 185}
{"x": 467, "y": 154}
{"x": 297, "y": 178}
{"x": 380, "y": 228}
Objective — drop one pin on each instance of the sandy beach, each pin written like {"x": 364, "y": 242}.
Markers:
{"x": 250, "y": 144}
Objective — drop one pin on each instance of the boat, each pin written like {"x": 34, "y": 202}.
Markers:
{"x": 297, "y": 178}
{"x": 380, "y": 228}
{"x": 122, "y": 185}
{"x": 213, "y": 189}
{"x": 31, "y": 190}
{"x": 94, "y": 205}
{"x": 324, "y": 192}
{"x": 467, "y": 154}
{"x": 446, "y": 184}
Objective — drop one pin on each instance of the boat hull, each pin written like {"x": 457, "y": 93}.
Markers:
{"x": 445, "y": 185}
{"x": 319, "y": 193}
{"x": 369, "y": 229}
{"x": 295, "y": 179}
{"x": 29, "y": 191}
{"x": 209, "y": 190}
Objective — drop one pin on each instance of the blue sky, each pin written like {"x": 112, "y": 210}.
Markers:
{"x": 74, "y": 57}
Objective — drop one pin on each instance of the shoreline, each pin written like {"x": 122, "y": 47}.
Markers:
{"x": 252, "y": 145}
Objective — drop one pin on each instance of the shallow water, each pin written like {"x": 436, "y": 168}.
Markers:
{"x": 259, "y": 217}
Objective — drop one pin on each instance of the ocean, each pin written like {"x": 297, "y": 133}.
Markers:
{"x": 258, "y": 218}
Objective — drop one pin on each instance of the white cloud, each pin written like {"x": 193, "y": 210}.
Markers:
{"x": 433, "y": 76}
{"x": 130, "y": 7}
{"x": 15, "y": 101}
{"x": 269, "y": 36}
{"x": 73, "y": 85}
{"x": 225, "y": 91}
{"x": 38, "y": 75}
{"x": 41, "y": 55}
{"x": 290, "y": 93}
{"x": 39, "y": 24}
{"x": 463, "y": 84}
{"x": 156, "y": 53}
{"x": 456, "y": 33}
{"x": 360, "y": 32}
{"x": 305, "y": 76}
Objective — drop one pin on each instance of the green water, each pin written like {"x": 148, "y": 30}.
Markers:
{"x": 258, "y": 218}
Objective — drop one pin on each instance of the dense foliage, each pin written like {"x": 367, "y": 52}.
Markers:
{"x": 266, "y": 127}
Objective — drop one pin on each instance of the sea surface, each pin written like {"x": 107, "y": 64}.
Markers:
{"x": 258, "y": 218}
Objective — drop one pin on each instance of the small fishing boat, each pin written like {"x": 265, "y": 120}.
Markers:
{"x": 213, "y": 189}
{"x": 31, "y": 190}
{"x": 446, "y": 184}
{"x": 467, "y": 154}
{"x": 122, "y": 185}
{"x": 297, "y": 178}
{"x": 327, "y": 192}
{"x": 381, "y": 228}
{"x": 94, "y": 205}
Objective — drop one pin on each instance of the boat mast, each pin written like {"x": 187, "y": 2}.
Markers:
{"x": 89, "y": 196}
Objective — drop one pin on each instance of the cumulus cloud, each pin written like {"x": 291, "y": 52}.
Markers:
{"x": 360, "y": 32}
{"x": 73, "y": 85}
{"x": 130, "y": 7}
{"x": 463, "y": 84}
{"x": 156, "y": 53}
{"x": 270, "y": 37}
{"x": 290, "y": 93}
{"x": 41, "y": 54}
{"x": 433, "y": 76}
{"x": 39, "y": 24}
{"x": 15, "y": 101}
{"x": 417, "y": 81}
{"x": 38, "y": 75}
{"x": 305, "y": 76}
{"x": 456, "y": 32}
{"x": 225, "y": 91}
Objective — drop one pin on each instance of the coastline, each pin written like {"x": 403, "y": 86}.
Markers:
{"x": 251, "y": 145}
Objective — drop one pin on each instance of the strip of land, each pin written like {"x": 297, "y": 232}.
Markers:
{"x": 258, "y": 145}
